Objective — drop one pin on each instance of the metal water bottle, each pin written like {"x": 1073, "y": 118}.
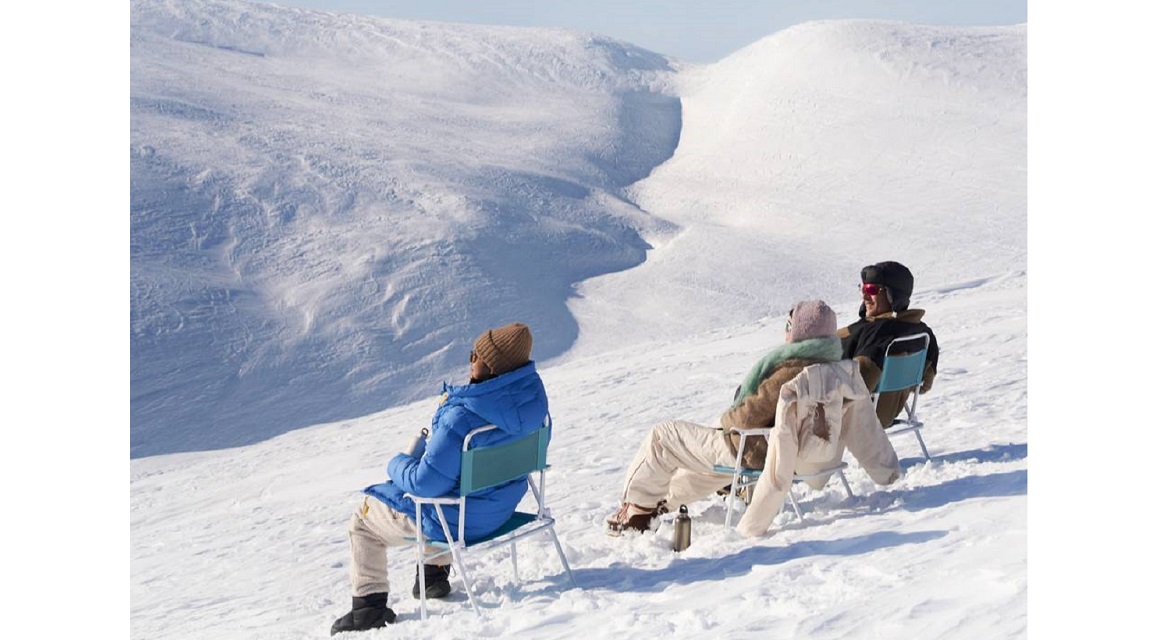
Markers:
{"x": 682, "y": 531}
{"x": 416, "y": 447}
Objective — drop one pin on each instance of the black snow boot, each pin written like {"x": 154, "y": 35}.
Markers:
{"x": 436, "y": 577}
{"x": 369, "y": 612}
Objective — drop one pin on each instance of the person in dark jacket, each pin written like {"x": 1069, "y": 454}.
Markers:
{"x": 504, "y": 390}
{"x": 886, "y": 288}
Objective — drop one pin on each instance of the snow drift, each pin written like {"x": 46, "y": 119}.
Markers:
{"x": 326, "y": 209}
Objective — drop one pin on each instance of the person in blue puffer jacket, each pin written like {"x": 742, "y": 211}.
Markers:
{"x": 504, "y": 390}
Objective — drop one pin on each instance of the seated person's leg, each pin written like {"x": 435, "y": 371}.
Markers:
{"x": 689, "y": 486}
{"x": 670, "y": 447}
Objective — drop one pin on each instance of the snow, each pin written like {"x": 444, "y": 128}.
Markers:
{"x": 326, "y": 209}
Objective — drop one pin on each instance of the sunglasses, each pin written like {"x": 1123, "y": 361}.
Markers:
{"x": 871, "y": 289}
{"x": 472, "y": 357}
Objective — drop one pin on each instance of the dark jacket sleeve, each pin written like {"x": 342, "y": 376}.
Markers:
{"x": 933, "y": 361}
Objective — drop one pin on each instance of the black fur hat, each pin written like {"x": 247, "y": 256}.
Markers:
{"x": 895, "y": 278}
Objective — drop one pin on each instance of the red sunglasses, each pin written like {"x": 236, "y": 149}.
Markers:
{"x": 871, "y": 289}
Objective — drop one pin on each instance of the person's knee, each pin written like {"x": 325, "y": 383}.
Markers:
{"x": 355, "y": 523}
{"x": 664, "y": 431}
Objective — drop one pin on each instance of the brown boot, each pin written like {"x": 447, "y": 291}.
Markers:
{"x": 631, "y": 517}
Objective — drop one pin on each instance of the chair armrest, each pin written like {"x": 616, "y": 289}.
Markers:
{"x": 422, "y": 500}
{"x": 751, "y": 432}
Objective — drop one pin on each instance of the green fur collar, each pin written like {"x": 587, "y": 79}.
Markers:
{"x": 827, "y": 349}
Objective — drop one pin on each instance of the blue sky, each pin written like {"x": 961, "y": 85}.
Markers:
{"x": 693, "y": 30}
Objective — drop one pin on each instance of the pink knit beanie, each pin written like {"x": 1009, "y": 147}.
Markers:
{"x": 811, "y": 319}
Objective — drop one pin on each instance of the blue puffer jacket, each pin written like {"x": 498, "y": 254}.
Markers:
{"x": 516, "y": 403}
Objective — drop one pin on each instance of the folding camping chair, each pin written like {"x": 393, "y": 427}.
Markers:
{"x": 481, "y": 468}
{"x": 743, "y": 478}
{"x": 904, "y": 369}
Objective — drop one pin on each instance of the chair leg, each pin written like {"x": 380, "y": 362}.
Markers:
{"x": 913, "y": 421}
{"x": 922, "y": 447}
{"x": 423, "y": 588}
{"x": 420, "y": 562}
{"x": 846, "y": 486}
{"x": 515, "y": 569}
{"x": 795, "y": 505}
{"x": 730, "y": 504}
{"x": 459, "y": 561}
{"x": 730, "y": 499}
{"x": 560, "y": 552}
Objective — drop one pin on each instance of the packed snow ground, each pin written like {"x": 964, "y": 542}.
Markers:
{"x": 250, "y": 542}
{"x": 772, "y": 176}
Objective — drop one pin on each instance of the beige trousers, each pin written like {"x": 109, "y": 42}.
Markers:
{"x": 674, "y": 463}
{"x": 375, "y": 527}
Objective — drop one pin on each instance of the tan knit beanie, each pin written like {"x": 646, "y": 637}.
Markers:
{"x": 506, "y": 348}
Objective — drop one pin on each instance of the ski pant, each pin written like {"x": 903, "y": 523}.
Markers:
{"x": 375, "y": 527}
{"x": 674, "y": 463}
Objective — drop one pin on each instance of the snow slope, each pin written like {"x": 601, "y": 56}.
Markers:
{"x": 250, "y": 543}
{"x": 326, "y": 208}
{"x": 818, "y": 150}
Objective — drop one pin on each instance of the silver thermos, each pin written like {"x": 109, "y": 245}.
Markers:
{"x": 682, "y": 531}
{"x": 416, "y": 447}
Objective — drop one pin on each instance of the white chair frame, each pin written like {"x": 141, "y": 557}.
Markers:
{"x": 520, "y": 525}
{"x": 747, "y": 478}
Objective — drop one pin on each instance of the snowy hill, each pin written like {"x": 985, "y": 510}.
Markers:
{"x": 327, "y": 208}
{"x": 324, "y": 208}
{"x": 820, "y": 149}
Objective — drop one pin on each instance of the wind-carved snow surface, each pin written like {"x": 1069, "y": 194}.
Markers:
{"x": 327, "y": 209}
